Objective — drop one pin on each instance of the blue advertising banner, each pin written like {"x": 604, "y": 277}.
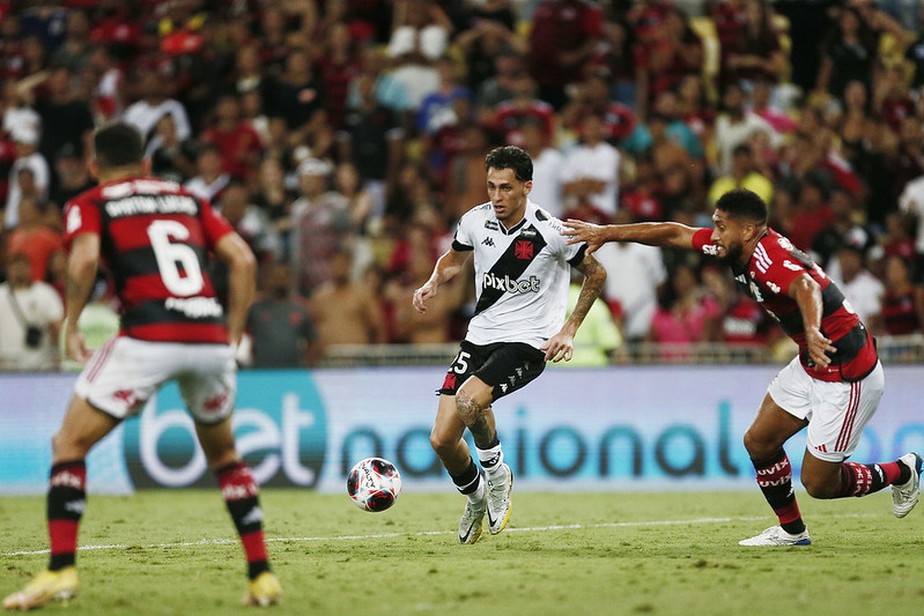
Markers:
{"x": 617, "y": 428}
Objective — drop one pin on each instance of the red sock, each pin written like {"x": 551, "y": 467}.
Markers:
{"x": 774, "y": 477}
{"x": 862, "y": 479}
{"x": 66, "y": 502}
{"x": 241, "y": 495}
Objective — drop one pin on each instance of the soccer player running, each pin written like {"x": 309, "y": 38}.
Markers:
{"x": 154, "y": 236}
{"x": 522, "y": 273}
{"x": 833, "y": 386}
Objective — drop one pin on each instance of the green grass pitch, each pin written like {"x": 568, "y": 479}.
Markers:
{"x": 174, "y": 552}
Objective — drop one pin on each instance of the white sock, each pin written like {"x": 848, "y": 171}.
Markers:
{"x": 478, "y": 495}
{"x": 492, "y": 460}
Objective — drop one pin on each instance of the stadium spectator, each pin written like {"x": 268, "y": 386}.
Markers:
{"x": 373, "y": 139}
{"x": 465, "y": 182}
{"x": 298, "y": 96}
{"x": 75, "y": 49}
{"x": 35, "y": 239}
{"x": 590, "y": 173}
{"x": 107, "y": 79}
{"x": 31, "y": 313}
{"x": 743, "y": 175}
{"x": 593, "y": 95}
{"x": 812, "y": 211}
{"x": 320, "y": 226}
{"x": 512, "y": 114}
{"x": 903, "y": 301}
{"x": 272, "y": 196}
{"x": 210, "y": 179}
{"x": 250, "y": 222}
{"x": 338, "y": 65}
{"x": 548, "y": 163}
{"x": 491, "y": 51}
{"x": 735, "y": 125}
{"x": 239, "y": 144}
{"x": 756, "y": 55}
{"x": 161, "y": 341}
{"x": 419, "y": 37}
{"x": 73, "y": 176}
{"x": 563, "y": 35}
{"x": 29, "y": 175}
{"x": 66, "y": 119}
{"x": 741, "y": 322}
{"x": 818, "y": 388}
{"x": 500, "y": 87}
{"x": 861, "y": 288}
{"x": 511, "y": 336}
{"x": 280, "y": 327}
{"x": 686, "y": 314}
{"x": 172, "y": 158}
{"x": 145, "y": 113}
{"x": 409, "y": 325}
{"x": 345, "y": 312}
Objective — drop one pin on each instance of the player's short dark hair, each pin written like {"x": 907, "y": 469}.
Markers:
{"x": 743, "y": 204}
{"x": 510, "y": 157}
{"x": 118, "y": 145}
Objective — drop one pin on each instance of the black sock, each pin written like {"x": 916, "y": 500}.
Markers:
{"x": 467, "y": 481}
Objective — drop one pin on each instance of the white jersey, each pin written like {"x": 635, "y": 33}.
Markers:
{"x": 521, "y": 275}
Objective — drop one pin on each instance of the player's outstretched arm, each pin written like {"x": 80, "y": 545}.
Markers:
{"x": 447, "y": 266}
{"x": 561, "y": 345}
{"x": 242, "y": 269}
{"x": 663, "y": 234}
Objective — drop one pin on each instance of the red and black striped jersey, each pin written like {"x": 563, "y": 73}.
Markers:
{"x": 773, "y": 266}
{"x": 155, "y": 238}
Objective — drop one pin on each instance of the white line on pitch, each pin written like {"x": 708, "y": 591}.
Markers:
{"x": 428, "y": 533}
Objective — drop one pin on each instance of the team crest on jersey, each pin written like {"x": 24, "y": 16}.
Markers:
{"x": 523, "y": 249}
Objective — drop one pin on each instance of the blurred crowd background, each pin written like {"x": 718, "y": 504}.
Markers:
{"x": 344, "y": 139}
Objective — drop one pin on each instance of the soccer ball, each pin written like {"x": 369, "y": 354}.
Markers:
{"x": 374, "y": 484}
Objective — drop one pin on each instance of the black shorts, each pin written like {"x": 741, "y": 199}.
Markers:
{"x": 506, "y": 366}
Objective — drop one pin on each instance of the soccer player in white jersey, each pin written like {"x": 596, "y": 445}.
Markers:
{"x": 522, "y": 272}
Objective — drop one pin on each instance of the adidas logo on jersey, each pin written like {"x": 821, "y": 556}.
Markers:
{"x": 510, "y": 285}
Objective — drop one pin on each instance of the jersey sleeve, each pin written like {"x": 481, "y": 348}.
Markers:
{"x": 213, "y": 224}
{"x": 462, "y": 239}
{"x": 80, "y": 216}
{"x": 702, "y": 242}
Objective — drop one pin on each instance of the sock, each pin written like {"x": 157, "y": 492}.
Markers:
{"x": 862, "y": 479}
{"x": 241, "y": 495}
{"x": 469, "y": 483}
{"x": 67, "y": 498}
{"x": 492, "y": 458}
{"x": 774, "y": 477}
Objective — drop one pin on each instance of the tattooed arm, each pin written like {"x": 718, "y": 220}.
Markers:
{"x": 561, "y": 345}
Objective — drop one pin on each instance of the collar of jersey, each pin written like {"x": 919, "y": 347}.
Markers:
{"x": 514, "y": 228}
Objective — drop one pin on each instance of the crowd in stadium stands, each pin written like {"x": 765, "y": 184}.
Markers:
{"x": 344, "y": 138}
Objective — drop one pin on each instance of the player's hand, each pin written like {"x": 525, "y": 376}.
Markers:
{"x": 578, "y": 231}
{"x": 559, "y": 347}
{"x": 75, "y": 347}
{"x": 819, "y": 347}
{"x": 422, "y": 294}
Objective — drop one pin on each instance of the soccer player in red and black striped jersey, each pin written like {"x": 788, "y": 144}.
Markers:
{"x": 155, "y": 238}
{"x": 833, "y": 386}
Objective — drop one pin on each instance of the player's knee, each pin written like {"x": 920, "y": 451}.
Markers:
{"x": 441, "y": 441}
{"x": 819, "y": 487}
{"x": 759, "y": 447}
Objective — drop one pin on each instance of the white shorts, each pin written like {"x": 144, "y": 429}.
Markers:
{"x": 125, "y": 372}
{"x": 836, "y": 412}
